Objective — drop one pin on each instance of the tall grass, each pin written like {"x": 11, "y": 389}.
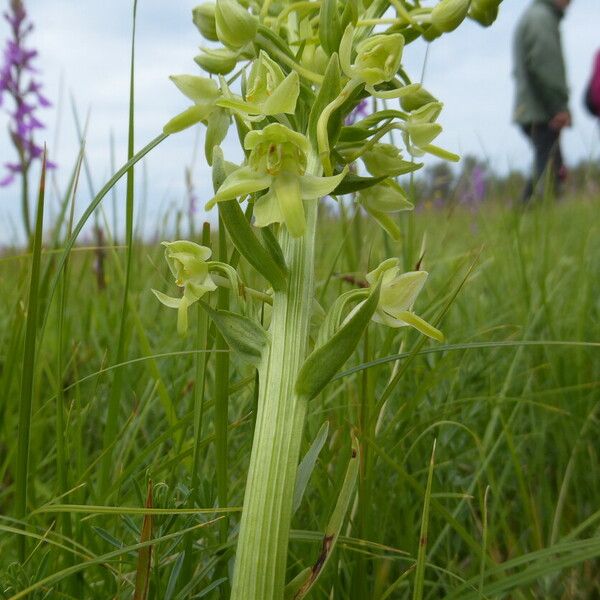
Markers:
{"x": 511, "y": 398}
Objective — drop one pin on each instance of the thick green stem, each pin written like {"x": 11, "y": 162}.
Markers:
{"x": 264, "y": 532}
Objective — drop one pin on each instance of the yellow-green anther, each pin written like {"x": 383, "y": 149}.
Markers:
{"x": 447, "y": 15}
{"x": 235, "y": 26}
{"x": 188, "y": 264}
{"x": 203, "y": 16}
{"x": 218, "y": 61}
{"x": 398, "y": 294}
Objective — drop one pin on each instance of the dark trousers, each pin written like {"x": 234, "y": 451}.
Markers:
{"x": 548, "y": 164}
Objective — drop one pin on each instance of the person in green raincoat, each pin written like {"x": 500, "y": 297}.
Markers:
{"x": 542, "y": 94}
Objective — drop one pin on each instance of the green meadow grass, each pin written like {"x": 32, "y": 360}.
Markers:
{"x": 506, "y": 506}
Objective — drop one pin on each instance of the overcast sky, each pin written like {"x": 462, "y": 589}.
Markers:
{"x": 84, "y": 51}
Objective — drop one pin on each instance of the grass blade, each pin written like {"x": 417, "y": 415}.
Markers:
{"x": 142, "y": 575}
{"x": 29, "y": 365}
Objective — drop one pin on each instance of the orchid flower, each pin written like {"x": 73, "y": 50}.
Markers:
{"x": 399, "y": 292}
{"x": 277, "y": 163}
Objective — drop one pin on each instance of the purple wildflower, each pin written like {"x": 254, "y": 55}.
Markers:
{"x": 18, "y": 81}
{"x": 475, "y": 186}
{"x": 361, "y": 110}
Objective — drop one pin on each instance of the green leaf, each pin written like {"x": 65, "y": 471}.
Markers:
{"x": 142, "y": 575}
{"x": 329, "y": 91}
{"x": 242, "y": 334}
{"x": 354, "y": 183}
{"x": 273, "y": 247}
{"x": 331, "y": 34}
{"x": 324, "y": 362}
{"x": 307, "y": 465}
{"x": 300, "y": 586}
{"x": 248, "y": 245}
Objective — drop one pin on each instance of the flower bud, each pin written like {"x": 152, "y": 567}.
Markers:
{"x": 378, "y": 58}
{"x": 385, "y": 198}
{"x": 484, "y": 11}
{"x": 236, "y": 27}
{"x": 218, "y": 61}
{"x": 385, "y": 160}
{"x": 204, "y": 19}
{"x": 416, "y": 100}
{"x": 447, "y": 15}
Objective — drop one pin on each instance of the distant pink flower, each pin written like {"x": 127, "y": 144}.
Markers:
{"x": 18, "y": 82}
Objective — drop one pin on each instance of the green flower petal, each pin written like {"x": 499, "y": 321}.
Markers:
{"x": 200, "y": 90}
{"x": 167, "y": 300}
{"x": 284, "y": 97}
{"x": 409, "y": 318}
{"x": 188, "y": 117}
{"x": 286, "y": 187}
{"x": 241, "y": 182}
{"x": 318, "y": 187}
{"x": 267, "y": 211}
{"x": 216, "y": 130}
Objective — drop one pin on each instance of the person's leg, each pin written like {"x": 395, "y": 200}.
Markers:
{"x": 548, "y": 159}
{"x": 546, "y": 147}
{"x": 528, "y": 190}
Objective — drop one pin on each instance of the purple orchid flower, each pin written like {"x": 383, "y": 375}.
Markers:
{"x": 361, "y": 110}
{"x": 18, "y": 82}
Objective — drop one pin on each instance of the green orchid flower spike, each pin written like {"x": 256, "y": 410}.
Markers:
{"x": 269, "y": 91}
{"x": 277, "y": 163}
{"x": 398, "y": 294}
{"x": 288, "y": 77}
{"x": 188, "y": 263}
